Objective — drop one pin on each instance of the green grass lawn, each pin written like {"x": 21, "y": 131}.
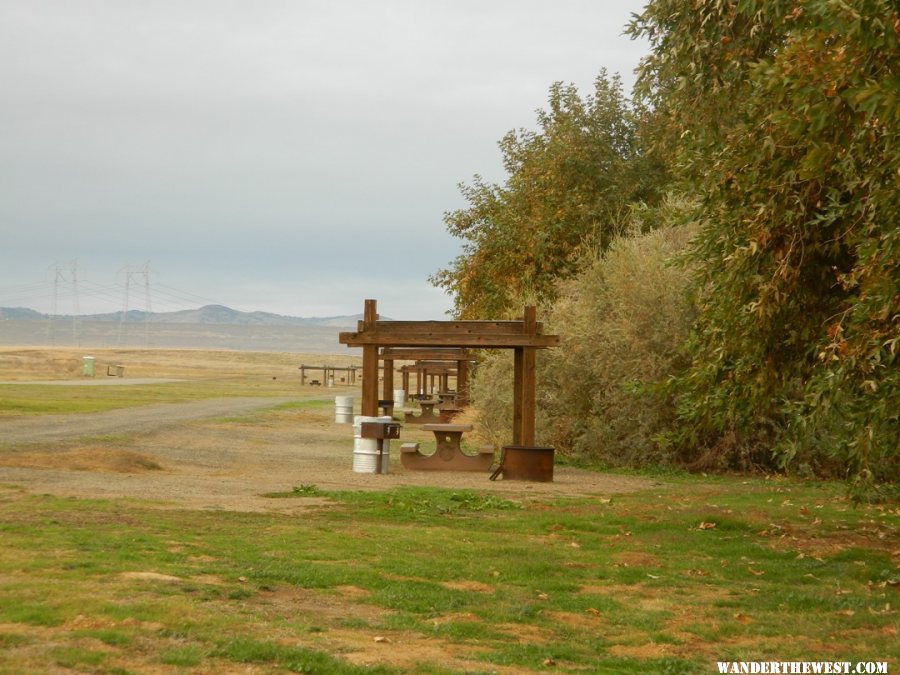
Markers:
{"x": 438, "y": 581}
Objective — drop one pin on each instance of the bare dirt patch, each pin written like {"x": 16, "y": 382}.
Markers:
{"x": 195, "y": 455}
{"x": 476, "y": 586}
{"x": 636, "y": 559}
{"x": 102, "y": 460}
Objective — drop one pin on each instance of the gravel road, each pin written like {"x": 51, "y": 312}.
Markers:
{"x": 190, "y": 455}
{"x": 148, "y": 418}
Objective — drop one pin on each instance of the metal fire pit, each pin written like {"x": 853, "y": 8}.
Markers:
{"x": 520, "y": 462}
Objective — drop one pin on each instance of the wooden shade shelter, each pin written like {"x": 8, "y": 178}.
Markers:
{"x": 523, "y": 336}
{"x": 329, "y": 371}
{"x": 425, "y": 360}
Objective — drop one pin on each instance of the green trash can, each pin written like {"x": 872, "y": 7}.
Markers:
{"x": 88, "y": 366}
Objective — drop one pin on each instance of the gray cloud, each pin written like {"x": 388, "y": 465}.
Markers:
{"x": 252, "y": 151}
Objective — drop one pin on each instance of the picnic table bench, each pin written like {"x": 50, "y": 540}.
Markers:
{"x": 427, "y": 415}
{"x": 449, "y": 455}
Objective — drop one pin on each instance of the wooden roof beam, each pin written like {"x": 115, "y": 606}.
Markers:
{"x": 452, "y": 327}
{"x": 425, "y": 354}
{"x": 482, "y": 341}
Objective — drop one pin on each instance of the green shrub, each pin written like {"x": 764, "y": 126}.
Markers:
{"x": 622, "y": 321}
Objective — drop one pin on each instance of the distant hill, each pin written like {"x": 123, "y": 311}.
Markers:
{"x": 209, "y": 314}
{"x": 20, "y": 313}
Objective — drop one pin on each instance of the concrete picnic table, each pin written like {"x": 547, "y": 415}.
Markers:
{"x": 449, "y": 455}
{"x": 427, "y": 407}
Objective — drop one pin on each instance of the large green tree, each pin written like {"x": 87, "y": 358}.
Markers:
{"x": 569, "y": 182}
{"x": 784, "y": 117}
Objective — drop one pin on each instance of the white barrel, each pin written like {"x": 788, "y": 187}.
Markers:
{"x": 399, "y": 398}
{"x": 365, "y": 450}
{"x": 343, "y": 409}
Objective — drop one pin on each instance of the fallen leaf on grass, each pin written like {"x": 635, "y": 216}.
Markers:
{"x": 756, "y": 573}
{"x": 549, "y": 662}
{"x": 706, "y": 526}
{"x": 881, "y": 612}
{"x": 653, "y": 576}
{"x": 591, "y": 610}
{"x": 381, "y": 639}
{"x": 742, "y": 618}
{"x": 845, "y": 612}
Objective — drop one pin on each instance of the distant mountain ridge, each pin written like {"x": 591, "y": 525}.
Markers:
{"x": 208, "y": 314}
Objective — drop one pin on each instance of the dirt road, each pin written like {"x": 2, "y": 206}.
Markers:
{"x": 202, "y": 455}
{"x": 43, "y": 428}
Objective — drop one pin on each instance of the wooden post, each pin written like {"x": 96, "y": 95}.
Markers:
{"x": 524, "y": 385}
{"x": 405, "y": 374}
{"x": 518, "y": 380}
{"x": 462, "y": 382}
{"x": 302, "y": 374}
{"x": 529, "y": 387}
{"x": 388, "y": 390}
{"x": 370, "y": 364}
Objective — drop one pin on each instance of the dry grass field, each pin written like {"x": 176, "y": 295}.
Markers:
{"x": 40, "y": 363}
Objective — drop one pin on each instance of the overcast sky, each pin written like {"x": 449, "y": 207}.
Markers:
{"x": 292, "y": 157}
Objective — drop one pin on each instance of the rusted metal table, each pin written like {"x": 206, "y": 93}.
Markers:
{"x": 449, "y": 455}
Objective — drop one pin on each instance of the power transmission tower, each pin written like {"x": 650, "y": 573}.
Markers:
{"x": 131, "y": 273}
{"x": 67, "y": 274}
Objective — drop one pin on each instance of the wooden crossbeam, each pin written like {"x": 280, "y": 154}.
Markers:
{"x": 400, "y": 328}
{"x": 379, "y": 338}
{"x": 425, "y": 354}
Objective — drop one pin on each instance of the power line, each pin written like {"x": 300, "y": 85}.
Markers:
{"x": 131, "y": 273}
{"x": 67, "y": 273}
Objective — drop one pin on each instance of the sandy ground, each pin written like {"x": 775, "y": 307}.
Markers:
{"x": 196, "y": 455}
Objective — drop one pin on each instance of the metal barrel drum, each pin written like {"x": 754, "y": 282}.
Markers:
{"x": 367, "y": 456}
{"x": 399, "y": 398}
{"x": 343, "y": 409}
